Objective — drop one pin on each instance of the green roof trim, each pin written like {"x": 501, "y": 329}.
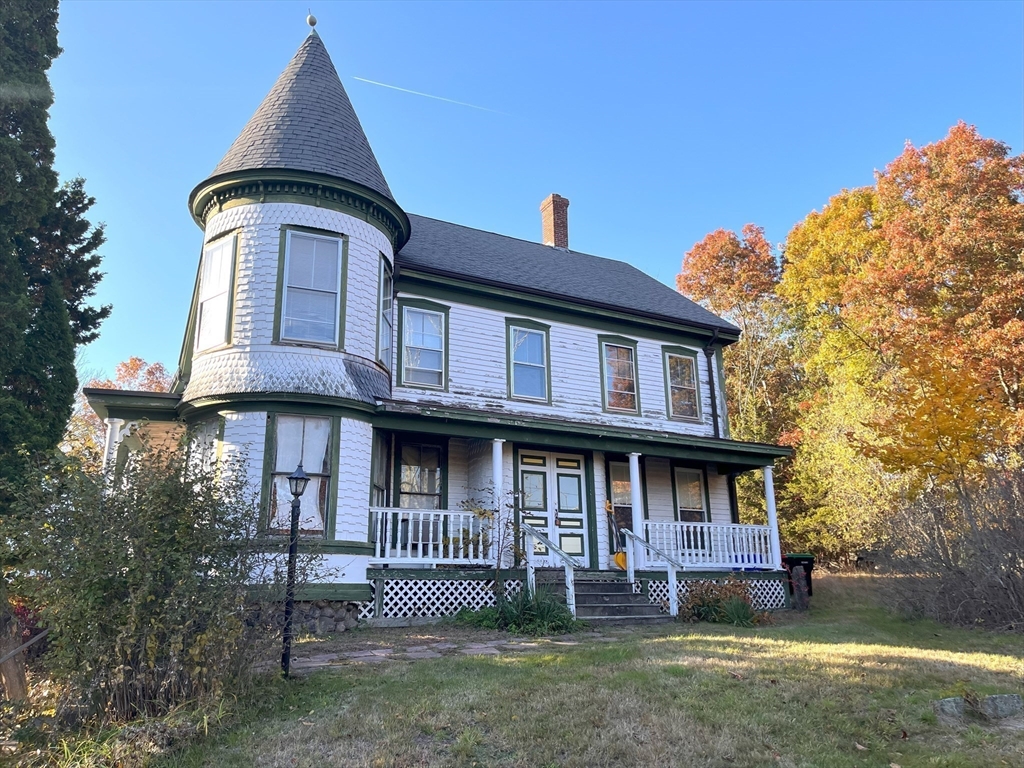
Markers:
{"x": 131, "y": 404}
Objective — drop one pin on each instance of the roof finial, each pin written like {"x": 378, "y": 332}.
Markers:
{"x": 311, "y": 19}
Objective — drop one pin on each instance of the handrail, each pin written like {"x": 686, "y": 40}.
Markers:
{"x": 568, "y": 563}
{"x": 673, "y": 566}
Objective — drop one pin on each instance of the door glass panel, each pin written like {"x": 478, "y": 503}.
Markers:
{"x": 420, "y": 477}
{"x": 534, "y": 490}
{"x": 569, "y": 493}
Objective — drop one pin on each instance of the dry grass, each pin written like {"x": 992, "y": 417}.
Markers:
{"x": 847, "y": 685}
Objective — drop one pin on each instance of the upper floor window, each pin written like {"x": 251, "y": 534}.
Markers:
{"x": 619, "y": 369}
{"x": 385, "y": 327}
{"x": 311, "y": 305}
{"x": 423, "y": 346}
{"x": 681, "y": 374}
{"x": 214, "y": 317}
{"x": 528, "y": 362}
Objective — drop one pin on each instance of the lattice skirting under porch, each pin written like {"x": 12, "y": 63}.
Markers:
{"x": 406, "y": 598}
{"x": 766, "y": 594}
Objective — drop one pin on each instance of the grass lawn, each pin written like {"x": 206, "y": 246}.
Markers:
{"x": 846, "y": 685}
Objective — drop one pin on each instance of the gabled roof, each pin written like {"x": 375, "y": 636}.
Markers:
{"x": 472, "y": 254}
{"x": 307, "y": 123}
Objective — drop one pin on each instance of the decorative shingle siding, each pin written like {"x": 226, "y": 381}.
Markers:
{"x": 478, "y": 378}
{"x": 253, "y": 363}
{"x": 352, "y": 521}
{"x": 244, "y": 439}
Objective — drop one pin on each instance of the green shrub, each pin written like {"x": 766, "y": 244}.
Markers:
{"x": 539, "y": 613}
{"x": 152, "y": 581}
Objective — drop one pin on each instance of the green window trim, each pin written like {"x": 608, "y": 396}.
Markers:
{"x": 427, "y": 306}
{"x": 229, "y": 314}
{"x": 413, "y": 438}
{"x": 278, "y": 338}
{"x": 666, "y": 352}
{"x": 603, "y": 342}
{"x": 270, "y": 460}
{"x": 527, "y": 325}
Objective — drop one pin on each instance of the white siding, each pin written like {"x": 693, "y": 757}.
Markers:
{"x": 477, "y": 375}
{"x": 660, "y": 502}
{"x": 718, "y": 490}
{"x": 600, "y": 496}
{"x": 458, "y": 474}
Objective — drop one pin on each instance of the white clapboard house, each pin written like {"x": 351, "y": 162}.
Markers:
{"x": 422, "y": 371}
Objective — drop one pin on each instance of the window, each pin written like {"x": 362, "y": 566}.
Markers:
{"x": 620, "y": 377}
{"x": 528, "y": 358}
{"x": 305, "y": 439}
{"x": 215, "y": 294}
{"x": 689, "y": 495}
{"x": 312, "y": 289}
{"x": 681, "y": 370}
{"x": 385, "y": 327}
{"x": 419, "y": 479}
{"x": 423, "y": 353}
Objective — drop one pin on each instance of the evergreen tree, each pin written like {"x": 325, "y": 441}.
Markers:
{"x": 48, "y": 269}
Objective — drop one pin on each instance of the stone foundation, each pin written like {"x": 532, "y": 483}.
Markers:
{"x": 322, "y": 617}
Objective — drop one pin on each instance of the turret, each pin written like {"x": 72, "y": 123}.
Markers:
{"x": 300, "y": 230}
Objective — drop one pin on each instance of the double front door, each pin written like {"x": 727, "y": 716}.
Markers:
{"x": 553, "y": 500}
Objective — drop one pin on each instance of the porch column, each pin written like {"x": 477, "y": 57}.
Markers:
{"x": 773, "y": 518}
{"x": 497, "y": 473}
{"x": 113, "y": 430}
{"x": 637, "y": 503}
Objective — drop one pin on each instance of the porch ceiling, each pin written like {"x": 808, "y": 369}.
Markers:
{"x": 729, "y": 455}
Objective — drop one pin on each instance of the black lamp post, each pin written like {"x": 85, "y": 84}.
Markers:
{"x": 297, "y": 482}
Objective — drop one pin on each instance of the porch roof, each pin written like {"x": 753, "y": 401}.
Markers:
{"x": 132, "y": 404}
{"x": 729, "y": 455}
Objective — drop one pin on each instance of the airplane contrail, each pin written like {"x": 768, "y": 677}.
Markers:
{"x": 429, "y": 96}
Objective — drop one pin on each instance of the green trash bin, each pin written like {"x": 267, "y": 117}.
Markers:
{"x": 794, "y": 560}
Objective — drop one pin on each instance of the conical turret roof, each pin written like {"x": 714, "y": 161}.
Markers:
{"x": 307, "y": 123}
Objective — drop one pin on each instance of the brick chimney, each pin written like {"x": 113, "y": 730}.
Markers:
{"x": 554, "y": 218}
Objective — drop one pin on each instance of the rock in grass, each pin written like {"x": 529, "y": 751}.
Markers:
{"x": 951, "y": 707}
{"x": 1002, "y": 705}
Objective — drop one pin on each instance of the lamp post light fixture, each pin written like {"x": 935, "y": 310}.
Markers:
{"x": 297, "y": 482}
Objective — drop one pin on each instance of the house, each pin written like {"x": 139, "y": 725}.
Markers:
{"x": 421, "y": 371}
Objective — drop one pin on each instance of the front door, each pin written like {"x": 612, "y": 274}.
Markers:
{"x": 553, "y": 500}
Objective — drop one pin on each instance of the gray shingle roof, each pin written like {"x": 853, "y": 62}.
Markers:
{"x": 451, "y": 249}
{"x": 307, "y": 123}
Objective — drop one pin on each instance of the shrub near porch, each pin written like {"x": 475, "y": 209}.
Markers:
{"x": 805, "y": 692}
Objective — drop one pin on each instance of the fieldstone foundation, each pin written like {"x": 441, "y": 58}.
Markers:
{"x": 322, "y": 617}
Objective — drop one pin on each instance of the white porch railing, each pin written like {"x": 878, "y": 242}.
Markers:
{"x": 437, "y": 536}
{"x": 569, "y": 563}
{"x": 712, "y": 545}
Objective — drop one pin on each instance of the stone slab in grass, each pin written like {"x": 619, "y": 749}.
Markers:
{"x": 951, "y": 707}
{"x": 1001, "y": 706}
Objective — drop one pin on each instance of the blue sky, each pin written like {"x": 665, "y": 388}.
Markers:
{"x": 659, "y": 121}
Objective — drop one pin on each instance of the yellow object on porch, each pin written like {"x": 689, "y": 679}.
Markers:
{"x": 619, "y": 558}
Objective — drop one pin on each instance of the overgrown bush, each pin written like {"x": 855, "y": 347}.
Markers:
{"x": 726, "y": 602}
{"x": 957, "y": 556}
{"x": 151, "y": 581}
{"x": 526, "y": 613}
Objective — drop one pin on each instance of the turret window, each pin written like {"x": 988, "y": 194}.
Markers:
{"x": 385, "y": 326}
{"x": 214, "y": 315}
{"x": 312, "y": 289}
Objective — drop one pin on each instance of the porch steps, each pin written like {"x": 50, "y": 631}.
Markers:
{"x": 610, "y": 600}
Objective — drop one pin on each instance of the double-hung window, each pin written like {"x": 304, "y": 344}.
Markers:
{"x": 620, "y": 391}
{"x": 385, "y": 325}
{"x": 305, "y": 440}
{"x": 528, "y": 362}
{"x": 311, "y": 306}
{"x": 423, "y": 342}
{"x": 681, "y": 373}
{"x": 212, "y": 323}
{"x": 689, "y": 495}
